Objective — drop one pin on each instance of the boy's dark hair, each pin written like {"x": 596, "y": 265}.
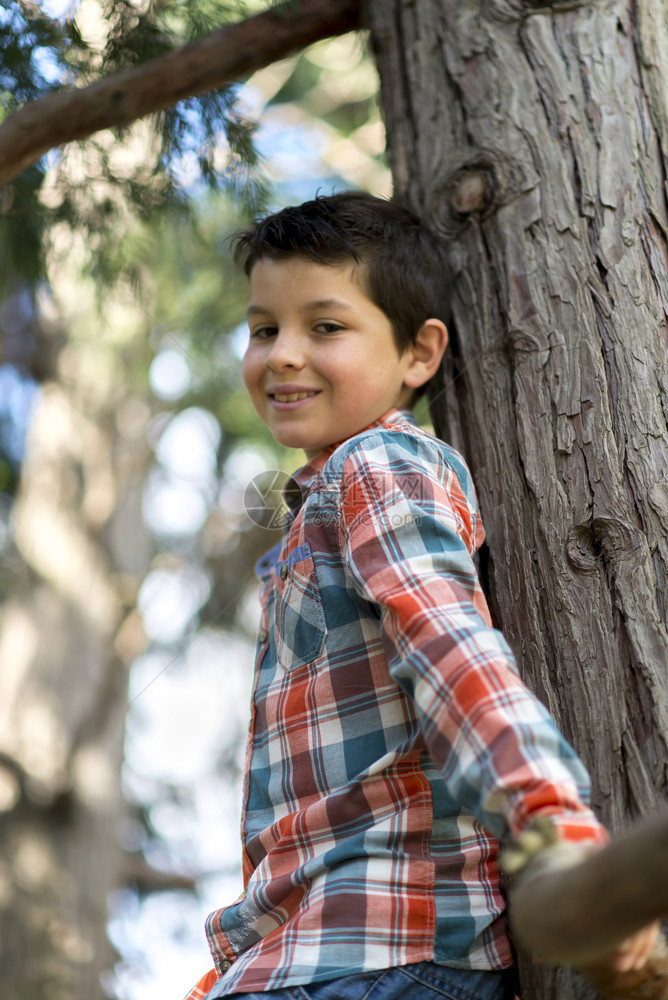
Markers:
{"x": 403, "y": 268}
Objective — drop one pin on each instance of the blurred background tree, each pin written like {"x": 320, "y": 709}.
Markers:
{"x": 126, "y": 446}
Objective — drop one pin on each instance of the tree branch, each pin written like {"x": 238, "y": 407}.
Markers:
{"x": 222, "y": 57}
{"x": 578, "y": 914}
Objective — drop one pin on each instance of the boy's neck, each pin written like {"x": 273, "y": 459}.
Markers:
{"x": 392, "y": 416}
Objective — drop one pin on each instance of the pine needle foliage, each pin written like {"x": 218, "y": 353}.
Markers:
{"x": 203, "y": 143}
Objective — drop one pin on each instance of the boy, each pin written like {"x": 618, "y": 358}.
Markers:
{"x": 392, "y": 745}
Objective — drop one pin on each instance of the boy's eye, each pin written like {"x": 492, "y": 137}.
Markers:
{"x": 263, "y": 332}
{"x": 328, "y": 327}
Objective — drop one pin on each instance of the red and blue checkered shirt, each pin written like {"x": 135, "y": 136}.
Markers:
{"x": 392, "y": 744}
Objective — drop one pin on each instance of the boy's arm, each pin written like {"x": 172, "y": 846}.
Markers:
{"x": 498, "y": 749}
{"x": 408, "y": 546}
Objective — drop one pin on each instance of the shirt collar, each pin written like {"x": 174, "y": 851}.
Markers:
{"x": 298, "y": 485}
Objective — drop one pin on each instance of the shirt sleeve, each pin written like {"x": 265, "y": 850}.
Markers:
{"x": 408, "y": 538}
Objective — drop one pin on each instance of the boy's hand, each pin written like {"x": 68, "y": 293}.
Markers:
{"x": 633, "y": 953}
{"x": 636, "y": 970}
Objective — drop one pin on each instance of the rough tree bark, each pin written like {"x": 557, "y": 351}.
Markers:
{"x": 533, "y": 136}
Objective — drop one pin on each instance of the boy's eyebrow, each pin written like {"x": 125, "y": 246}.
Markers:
{"x": 328, "y": 304}
{"x": 315, "y": 304}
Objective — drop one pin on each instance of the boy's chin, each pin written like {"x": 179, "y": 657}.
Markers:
{"x": 311, "y": 445}
{"x": 310, "y": 448}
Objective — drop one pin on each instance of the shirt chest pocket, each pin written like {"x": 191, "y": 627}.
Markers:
{"x": 300, "y": 619}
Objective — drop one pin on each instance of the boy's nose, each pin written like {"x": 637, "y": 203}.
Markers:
{"x": 286, "y": 351}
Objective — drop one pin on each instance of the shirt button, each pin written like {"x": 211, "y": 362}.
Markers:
{"x": 263, "y": 634}
{"x": 284, "y": 571}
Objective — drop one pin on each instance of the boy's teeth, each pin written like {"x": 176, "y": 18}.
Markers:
{"x": 284, "y": 397}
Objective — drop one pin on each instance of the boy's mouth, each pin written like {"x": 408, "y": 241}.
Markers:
{"x": 290, "y": 397}
{"x": 285, "y": 393}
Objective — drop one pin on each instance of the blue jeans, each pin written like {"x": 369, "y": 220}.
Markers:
{"x": 422, "y": 981}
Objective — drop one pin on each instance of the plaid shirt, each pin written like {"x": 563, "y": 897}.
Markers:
{"x": 392, "y": 744}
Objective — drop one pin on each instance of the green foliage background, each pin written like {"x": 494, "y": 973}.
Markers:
{"x": 114, "y": 251}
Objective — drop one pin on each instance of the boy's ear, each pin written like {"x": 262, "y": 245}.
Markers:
{"x": 427, "y": 351}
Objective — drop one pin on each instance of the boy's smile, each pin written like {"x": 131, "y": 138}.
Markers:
{"x": 322, "y": 362}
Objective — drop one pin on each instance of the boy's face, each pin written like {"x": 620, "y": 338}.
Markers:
{"x": 322, "y": 362}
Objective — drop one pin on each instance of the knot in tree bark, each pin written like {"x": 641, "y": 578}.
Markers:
{"x": 616, "y": 539}
{"x": 582, "y": 548}
{"x": 604, "y": 537}
{"x": 472, "y": 190}
{"x": 525, "y": 340}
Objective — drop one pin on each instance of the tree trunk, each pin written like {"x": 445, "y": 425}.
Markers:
{"x": 532, "y": 137}
{"x": 67, "y": 635}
